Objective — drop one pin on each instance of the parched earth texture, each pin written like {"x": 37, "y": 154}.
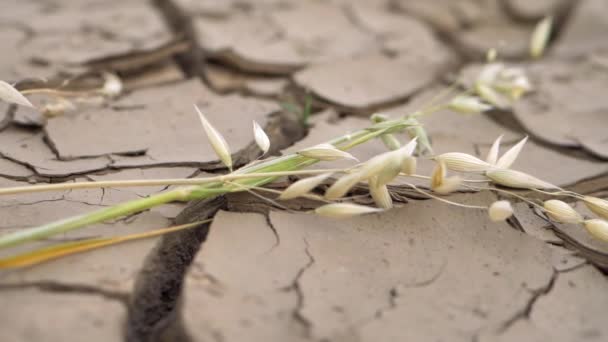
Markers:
{"x": 424, "y": 271}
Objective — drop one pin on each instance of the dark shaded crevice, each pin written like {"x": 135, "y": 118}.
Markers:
{"x": 154, "y": 305}
{"x": 182, "y": 25}
{"x": 297, "y": 289}
{"x": 58, "y": 287}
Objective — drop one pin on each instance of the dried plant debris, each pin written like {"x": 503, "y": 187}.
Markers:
{"x": 557, "y": 117}
{"x": 350, "y": 85}
{"x": 135, "y": 128}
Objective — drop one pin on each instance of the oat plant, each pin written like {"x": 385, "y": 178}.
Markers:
{"x": 497, "y": 86}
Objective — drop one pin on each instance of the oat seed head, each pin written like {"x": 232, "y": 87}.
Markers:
{"x": 500, "y": 211}
{"x": 261, "y": 138}
{"x": 217, "y": 141}
{"x": 449, "y": 185}
{"x": 303, "y": 186}
{"x": 492, "y": 156}
{"x": 561, "y": 212}
{"x": 468, "y": 105}
{"x": 9, "y": 94}
{"x": 344, "y": 210}
{"x": 342, "y": 186}
{"x": 509, "y": 157}
{"x": 380, "y": 194}
{"x": 598, "y": 228}
{"x": 597, "y": 205}
{"x": 409, "y": 165}
{"x": 112, "y": 85}
{"x": 491, "y": 96}
{"x": 540, "y": 37}
{"x": 326, "y": 152}
{"x": 462, "y": 162}
{"x": 517, "y": 179}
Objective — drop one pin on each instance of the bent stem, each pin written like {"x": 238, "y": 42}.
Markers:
{"x": 267, "y": 170}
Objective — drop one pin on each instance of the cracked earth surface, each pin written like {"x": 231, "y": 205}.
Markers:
{"x": 423, "y": 271}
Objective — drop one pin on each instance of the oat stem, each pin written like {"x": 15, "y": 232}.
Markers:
{"x": 154, "y": 182}
{"x": 266, "y": 173}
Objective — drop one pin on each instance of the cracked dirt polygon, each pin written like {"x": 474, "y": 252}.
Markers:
{"x": 550, "y": 112}
{"x": 179, "y": 139}
{"x": 250, "y": 295}
{"x": 29, "y": 148}
{"x": 281, "y": 40}
{"x": 67, "y": 37}
{"x": 349, "y": 84}
{"x": 373, "y": 276}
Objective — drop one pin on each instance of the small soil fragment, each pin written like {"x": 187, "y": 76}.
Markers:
{"x": 350, "y": 84}
{"x": 252, "y": 295}
{"x": 552, "y": 113}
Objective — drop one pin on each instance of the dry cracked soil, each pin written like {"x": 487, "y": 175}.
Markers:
{"x": 424, "y": 271}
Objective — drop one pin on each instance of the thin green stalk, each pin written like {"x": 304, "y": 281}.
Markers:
{"x": 281, "y": 164}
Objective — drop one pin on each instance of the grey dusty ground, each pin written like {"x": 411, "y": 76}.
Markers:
{"x": 424, "y": 271}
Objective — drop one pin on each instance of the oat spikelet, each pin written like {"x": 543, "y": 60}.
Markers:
{"x": 462, "y": 162}
{"x": 409, "y": 165}
{"x": 326, "y": 152}
{"x": 518, "y": 180}
{"x": 510, "y": 156}
{"x": 217, "y": 141}
{"x": 561, "y": 212}
{"x": 261, "y": 139}
{"x": 449, "y": 185}
{"x": 468, "y": 105}
{"x": 493, "y": 152}
{"x": 500, "y": 211}
{"x": 597, "y": 205}
{"x": 540, "y": 37}
{"x": 342, "y": 186}
{"x": 491, "y": 96}
{"x": 438, "y": 175}
{"x": 344, "y": 210}
{"x": 112, "y": 85}
{"x": 303, "y": 186}
{"x": 380, "y": 194}
{"x": 9, "y": 94}
{"x": 597, "y": 228}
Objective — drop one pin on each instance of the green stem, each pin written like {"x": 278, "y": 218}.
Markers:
{"x": 75, "y": 222}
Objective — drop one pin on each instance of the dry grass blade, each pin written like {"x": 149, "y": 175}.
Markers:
{"x": 57, "y": 251}
{"x": 9, "y": 94}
